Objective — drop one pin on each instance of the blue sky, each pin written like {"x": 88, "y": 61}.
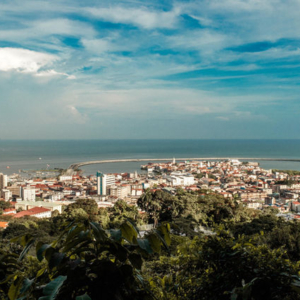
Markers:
{"x": 149, "y": 69}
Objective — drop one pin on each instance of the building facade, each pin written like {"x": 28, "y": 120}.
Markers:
{"x": 104, "y": 181}
{"x": 3, "y": 181}
{"x": 119, "y": 191}
{"x": 28, "y": 194}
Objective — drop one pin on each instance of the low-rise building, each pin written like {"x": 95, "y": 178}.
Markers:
{"x": 26, "y": 205}
{"x": 38, "y": 212}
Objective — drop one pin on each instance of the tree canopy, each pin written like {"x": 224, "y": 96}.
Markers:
{"x": 202, "y": 246}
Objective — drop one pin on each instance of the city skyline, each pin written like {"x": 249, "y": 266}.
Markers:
{"x": 149, "y": 69}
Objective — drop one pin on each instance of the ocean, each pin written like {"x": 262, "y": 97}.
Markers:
{"x": 18, "y": 155}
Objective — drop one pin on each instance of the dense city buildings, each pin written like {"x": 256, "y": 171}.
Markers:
{"x": 246, "y": 182}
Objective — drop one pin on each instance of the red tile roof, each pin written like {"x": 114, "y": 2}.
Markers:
{"x": 3, "y": 224}
{"x": 31, "y": 212}
{"x": 9, "y": 211}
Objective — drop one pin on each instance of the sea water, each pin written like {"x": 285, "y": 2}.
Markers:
{"x": 18, "y": 155}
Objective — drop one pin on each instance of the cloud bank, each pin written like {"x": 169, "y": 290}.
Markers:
{"x": 184, "y": 66}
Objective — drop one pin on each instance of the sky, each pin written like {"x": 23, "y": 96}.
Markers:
{"x": 204, "y": 69}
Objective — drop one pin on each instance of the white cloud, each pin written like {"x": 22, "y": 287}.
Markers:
{"x": 42, "y": 32}
{"x": 243, "y": 5}
{"x": 155, "y": 102}
{"x": 62, "y": 26}
{"x": 97, "y": 45}
{"x": 23, "y": 60}
{"x": 140, "y": 17}
{"x": 51, "y": 73}
{"x": 206, "y": 41}
{"x": 75, "y": 115}
{"x": 28, "y": 61}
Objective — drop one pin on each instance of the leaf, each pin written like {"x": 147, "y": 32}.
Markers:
{"x": 145, "y": 245}
{"x": 56, "y": 259}
{"x": 136, "y": 260}
{"x": 8, "y": 278}
{"x": 119, "y": 252}
{"x": 115, "y": 234}
{"x": 129, "y": 232}
{"x": 99, "y": 232}
{"x": 296, "y": 286}
{"x": 234, "y": 296}
{"x": 167, "y": 281}
{"x": 162, "y": 239}
{"x": 48, "y": 253}
{"x": 83, "y": 297}
{"x": 26, "y": 249}
{"x": 155, "y": 242}
{"x": 164, "y": 230}
{"x": 52, "y": 288}
{"x": 83, "y": 236}
{"x": 14, "y": 289}
{"x": 236, "y": 246}
{"x": 40, "y": 272}
{"x": 23, "y": 240}
{"x": 40, "y": 249}
{"x": 27, "y": 283}
{"x": 133, "y": 225}
{"x": 74, "y": 231}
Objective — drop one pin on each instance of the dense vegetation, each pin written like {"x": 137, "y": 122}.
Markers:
{"x": 289, "y": 172}
{"x": 203, "y": 246}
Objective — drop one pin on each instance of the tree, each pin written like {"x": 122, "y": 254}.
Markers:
{"x": 122, "y": 211}
{"x": 85, "y": 260}
{"x": 220, "y": 267}
{"x": 88, "y": 205}
{"x": 152, "y": 203}
{"x": 4, "y": 205}
{"x": 55, "y": 213}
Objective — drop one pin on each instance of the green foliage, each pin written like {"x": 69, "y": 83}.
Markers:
{"x": 90, "y": 253}
{"x": 88, "y": 205}
{"x": 188, "y": 210}
{"x": 286, "y": 182}
{"x": 200, "y": 175}
{"x": 152, "y": 204}
{"x": 4, "y": 205}
{"x": 289, "y": 172}
{"x": 84, "y": 261}
{"x": 121, "y": 211}
{"x": 211, "y": 176}
{"x": 222, "y": 267}
{"x": 51, "y": 290}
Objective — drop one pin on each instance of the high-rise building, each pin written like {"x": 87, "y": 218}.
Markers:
{"x": 28, "y": 194}
{"x": 3, "y": 181}
{"x": 6, "y": 194}
{"x": 104, "y": 181}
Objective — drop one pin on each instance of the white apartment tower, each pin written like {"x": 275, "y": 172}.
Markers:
{"x": 104, "y": 181}
{"x": 28, "y": 194}
{"x": 3, "y": 181}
